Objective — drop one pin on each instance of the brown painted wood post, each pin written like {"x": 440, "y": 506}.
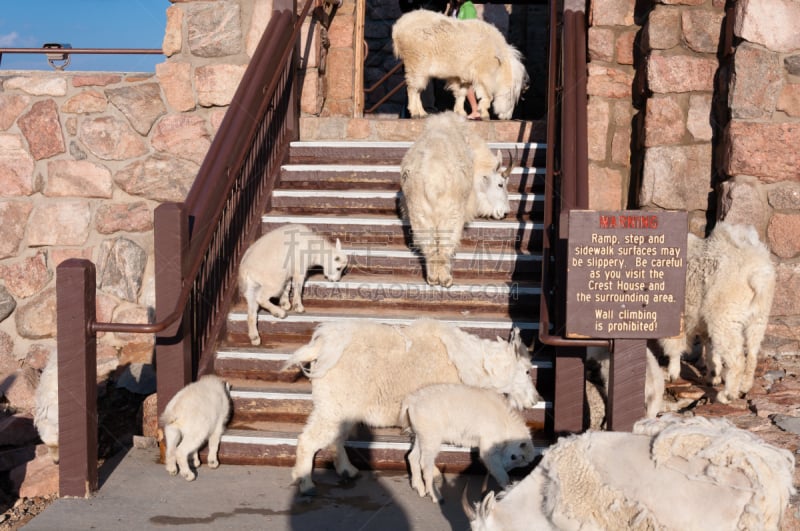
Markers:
{"x": 293, "y": 111}
{"x": 173, "y": 346}
{"x": 77, "y": 378}
{"x": 626, "y": 384}
{"x": 569, "y": 390}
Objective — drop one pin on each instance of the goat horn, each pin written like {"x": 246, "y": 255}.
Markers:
{"x": 511, "y": 163}
{"x": 468, "y": 509}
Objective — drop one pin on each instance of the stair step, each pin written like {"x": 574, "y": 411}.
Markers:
{"x": 298, "y": 328}
{"x": 395, "y": 291}
{"x": 377, "y": 232}
{"x": 371, "y": 201}
{"x": 380, "y": 176}
{"x": 376, "y": 449}
{"x": 391, "y": 152}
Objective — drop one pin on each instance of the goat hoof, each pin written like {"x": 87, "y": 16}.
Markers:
{"x": 189, "y": 477}
{"x": 213, "y": 464}
{"x": 172, "y": 471}
{"x": 255, "y": 341}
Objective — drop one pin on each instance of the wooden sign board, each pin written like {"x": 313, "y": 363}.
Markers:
{"x": 626, "y": 274}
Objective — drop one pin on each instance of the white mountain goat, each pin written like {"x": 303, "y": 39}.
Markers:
{"x": 196, "y": 413}
{"x": 730, "y": 283}
{"x": 277, "y": 263}
{"x": 45, "y": 412}
{"x": 467, "y": 416}
{"x": 463, "y": 52}
{"x": 361, "y": 370}
{"x": 670, "y": 473}
{"x": 448, "y": 177}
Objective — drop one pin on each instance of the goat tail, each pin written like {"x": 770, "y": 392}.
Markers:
{"x": 762, "y": 282}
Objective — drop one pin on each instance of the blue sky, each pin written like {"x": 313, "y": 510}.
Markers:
{"x": 83, "y": 24}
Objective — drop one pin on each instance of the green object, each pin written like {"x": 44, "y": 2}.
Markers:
{"x": 467, "y": 11}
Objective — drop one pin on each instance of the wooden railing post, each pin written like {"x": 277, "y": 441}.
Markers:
{"x": 293, "y": 111}
{"x": 626, "y": 380}
{"x": 77, "y": 378}
{"x": 173, "y": 346}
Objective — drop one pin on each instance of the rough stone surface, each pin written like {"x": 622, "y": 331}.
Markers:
{"x": 35, "y": 318}
{"x": 605, "y": 185}
{"x": 38, "y": 85}
{"x": 601, "y": 44}
{"x": 27, "y": 276}
{"x": 665, "y": 123}
{"x": 129, "y": 217}
{"x": 78, "y": 178}
{"x": 214, "y": 29}
{"x": 766, "y": 150}
{"x": 20, "y": 388}
{"x": 159, "y": 178}
{"x": 609, "y": 82}
{"x": 176, "y": 81}
{"x": 621, "y": 147}
{"x": 38, "y": 477}
{"x": 624, "y": 47}
{"x": 8, "y": 361}
{"x": 767, "y": 22}
{"x": 16, "y": 167}
{"x": 340, "y": 71}
{"x": 64, "y": 222}
{"x": 150, "y": 416}
{"x": 698, "y": 121}
{"x": 789, "y": 100}
{"x": 784, "y": 234}
{"x": 111, "y": 139}
{"x": 59, "y": 255}
{"x": 95, "y": 80}
{"x": 663, "y": 30}
{"x": 13, "y": 219}
{"x": 312, "y": 96}
{"x": 785, "y": 196}
{"x": 792, "y": 64}
{"x": 612, "y": 12}
{"x": 216, "y": 84}
{"x": 677, "y": 177}
{"x": 182, "y": 135}
{"x": 262, "y": 12}
{"x": 11, "y": 106}
{"x": 786, "y": 301}
{"x": 598, "y": 116}
{"x": 42, "y": 129}
{"x": 756, "y": 82}
{"x": 702, "y": 29}
{"x": 680, "y": 73}
{"x": 173, "y": 40}
{"x": 7, "y": 303}
{"x": 140, "y": 104}
{"x": 120, "y": 267}
{"x": 85, "y": 102}
{"x": 742, "y": 200}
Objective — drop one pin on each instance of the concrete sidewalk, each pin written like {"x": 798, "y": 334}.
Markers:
{"x": 139, "y": 494}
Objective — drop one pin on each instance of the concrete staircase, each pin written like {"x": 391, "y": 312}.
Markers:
{"x": 349, "y": 190}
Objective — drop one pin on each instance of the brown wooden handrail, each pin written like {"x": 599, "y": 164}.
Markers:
{"x": 198, "y": 245}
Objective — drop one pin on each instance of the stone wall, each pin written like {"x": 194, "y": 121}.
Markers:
{"x": 695, "y": 105}
{"x": 759, "y": 151}
{"x": 84, "y": 160}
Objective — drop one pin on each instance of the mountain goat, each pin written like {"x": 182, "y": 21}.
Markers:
{"x": 45, "y": 412}
{"x": 448, "y": 177}
{"x": 670, "y": 473}
{"x": 196, "y": 413}
{"x": 463, "y": 52}
{"x": 277, "y": 263}
{"x": 730, "y": 283}
{"x": 361, "y": 370}
{"x": 467, "y": 416}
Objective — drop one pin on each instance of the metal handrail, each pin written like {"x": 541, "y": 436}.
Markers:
{"x": 198, "y": 245}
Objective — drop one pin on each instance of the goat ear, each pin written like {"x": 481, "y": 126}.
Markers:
{"x": 338, "y": 245}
